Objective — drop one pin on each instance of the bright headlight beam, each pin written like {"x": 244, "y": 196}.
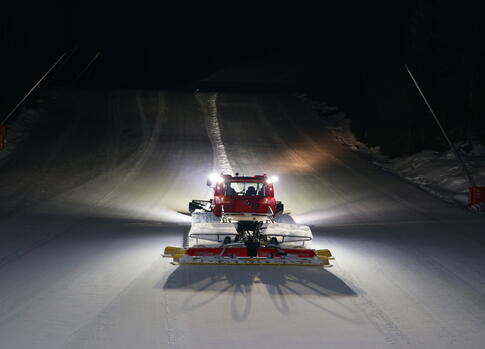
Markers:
{"x": 272, "y": 179}
{"x": 213, "y": 177}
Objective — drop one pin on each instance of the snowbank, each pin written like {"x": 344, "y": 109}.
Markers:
{"x": 18, "y": 129}
{"x": 435, "y": 172}
{"x": 440, "y": 173}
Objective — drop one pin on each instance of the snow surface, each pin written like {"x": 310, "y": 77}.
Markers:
{"x": 438, "y": 173}
{"x": 88, "y": 203}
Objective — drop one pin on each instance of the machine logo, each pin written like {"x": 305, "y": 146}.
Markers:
{"x": 250, "y": 203}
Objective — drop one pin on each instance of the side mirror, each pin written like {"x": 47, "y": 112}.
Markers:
{"x": 209, "y": 183}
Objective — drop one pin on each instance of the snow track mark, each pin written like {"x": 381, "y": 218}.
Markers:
{"x": 221, "y": 160}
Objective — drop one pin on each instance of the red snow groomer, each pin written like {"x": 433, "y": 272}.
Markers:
{"x": 236, "y": 196}
{"x": 244, "y": 225}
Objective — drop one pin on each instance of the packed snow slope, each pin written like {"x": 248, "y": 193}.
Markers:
{"x": 94, "y": 194}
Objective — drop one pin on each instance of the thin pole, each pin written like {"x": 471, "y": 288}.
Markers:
{"x": 69, "y": 55}
{"x": 87, "y": 67}
{"x": 31, "y": 90}
{"x": 457, "y": 155}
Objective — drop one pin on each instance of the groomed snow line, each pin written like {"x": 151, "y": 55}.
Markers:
{"x": 221, "y": 160}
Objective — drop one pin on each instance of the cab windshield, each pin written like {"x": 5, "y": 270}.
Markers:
{"x": 244, "y": 188}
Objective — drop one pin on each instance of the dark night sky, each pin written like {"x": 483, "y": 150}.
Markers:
{"x": 348, "y": 53}
{"x": 156, "y": 42}
{"x": 188, "y": 41}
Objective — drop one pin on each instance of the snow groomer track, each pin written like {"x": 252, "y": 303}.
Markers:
{"x": 96, "y": 192}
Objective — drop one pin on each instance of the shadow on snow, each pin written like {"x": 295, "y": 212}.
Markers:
{"x": 207, "y": 283}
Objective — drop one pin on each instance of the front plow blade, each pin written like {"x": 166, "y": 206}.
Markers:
{"x": 266, "y": 256}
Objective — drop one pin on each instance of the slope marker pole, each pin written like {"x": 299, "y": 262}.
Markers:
{"x": 86, "y": 68}
{"x": 31, "y": 90}
{"x": 457, "y": 155}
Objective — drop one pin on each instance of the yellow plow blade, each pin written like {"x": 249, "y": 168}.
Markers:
{"x": 172, "y": 251}
{"x": 324, "y": 253}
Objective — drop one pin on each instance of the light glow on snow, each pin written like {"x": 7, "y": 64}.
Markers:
{"x": 305, "y": 158}
{"x": 320, "y": 216}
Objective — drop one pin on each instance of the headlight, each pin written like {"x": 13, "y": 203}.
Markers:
{"x": 272, "y": 179}
{"x": 213, "y": 177}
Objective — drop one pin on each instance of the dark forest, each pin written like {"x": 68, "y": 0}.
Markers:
{"x": 350, "y": 55}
